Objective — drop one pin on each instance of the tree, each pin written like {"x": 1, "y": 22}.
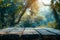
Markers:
{"x": 29, "y": 3}
{"x": 55, "y": 13}
{"x": 8, "y": 10}
{"x": 12, "y": 10}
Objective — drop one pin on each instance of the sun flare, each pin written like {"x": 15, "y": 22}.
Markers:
{"x": 45, "y": 1}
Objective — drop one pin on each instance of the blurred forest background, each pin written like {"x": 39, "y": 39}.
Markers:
{"x": 30, "y": 13}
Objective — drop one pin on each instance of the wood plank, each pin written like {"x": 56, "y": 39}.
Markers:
{"x": 18, "y": 31}
{"x": 53, "y": 30}
{"x": 11, "y": 35}
{"x": 6, "y": 30}
{"x": 30, "y": 33}
{"x": 13, "y": 30}
{"x": 44, "y": 32}
{"x": 46, "y": 35}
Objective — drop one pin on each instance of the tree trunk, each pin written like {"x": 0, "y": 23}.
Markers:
{"x": 56, "y": 18}
{"x": 29, "y": 3}
{"x": 55, "y": 15}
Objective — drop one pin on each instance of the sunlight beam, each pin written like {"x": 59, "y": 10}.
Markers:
{"x": 45, "y": 1}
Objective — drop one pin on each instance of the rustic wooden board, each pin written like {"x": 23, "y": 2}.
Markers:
{"x": 18, "y": 31}
{"x": 10, "y": 34}
{"x": 53, "y": 30}
{"x": 11, "y": 30}
{"x": 6, "y": 30}
{"x": 29, "y": 33}
{"x": 44, "y": 32}
{"x": 47, "y": 35}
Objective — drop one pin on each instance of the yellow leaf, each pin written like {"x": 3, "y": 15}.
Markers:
{"x": 8, "y": 4}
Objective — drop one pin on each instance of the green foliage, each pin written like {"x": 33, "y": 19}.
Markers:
{"x": 56, "y": 9}
{"x": 52, "y": 25}
{"x": 8, "y": 10}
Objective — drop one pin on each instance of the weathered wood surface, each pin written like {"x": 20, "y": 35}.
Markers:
{"x": 29, "y": 34}
{"x": 49, "y": 33}
{"x": 44, "y": 32}
{"x": 53, "y": 30}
